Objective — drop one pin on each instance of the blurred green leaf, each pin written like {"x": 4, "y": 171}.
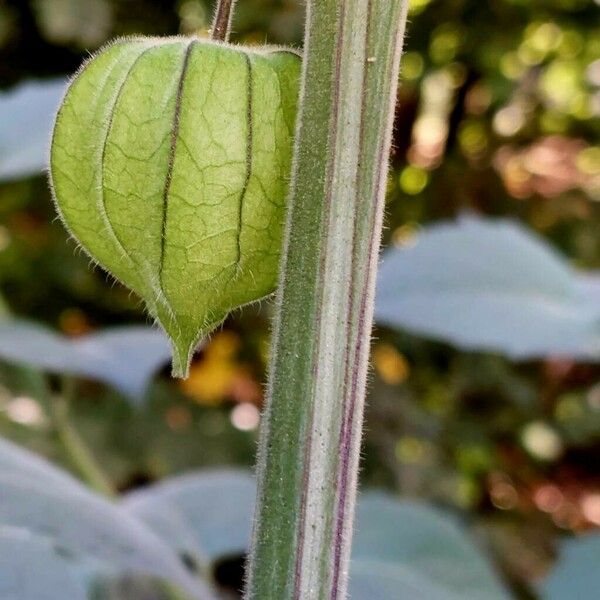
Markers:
{"x": 404, "y": 549}
{"x": 576, "y": 573}
{"x": 490, "y": 285}
{"x": 36, "y": 498}
{"x": 17, "y": 462}
{"x": 60, "y": 574}
{"x": 25, "y": 127}
{"x": 400, "y": 547}
{"x": 124, "y": 357}
{"x": 32, "y": 567}
{"x": 206, "y": 515}
{"x": 84, "y": 22}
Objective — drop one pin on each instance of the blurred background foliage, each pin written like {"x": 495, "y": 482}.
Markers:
{"x": 498, "y": 114}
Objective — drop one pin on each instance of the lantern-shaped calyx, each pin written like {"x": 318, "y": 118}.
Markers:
{"x": 170, "y": 165}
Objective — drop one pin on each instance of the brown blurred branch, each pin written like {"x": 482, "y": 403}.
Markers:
{"x": 221, "y": 27}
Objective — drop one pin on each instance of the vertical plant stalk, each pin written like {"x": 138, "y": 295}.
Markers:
{"x": 311, "y": 431}
{"x": 221, "y": 27}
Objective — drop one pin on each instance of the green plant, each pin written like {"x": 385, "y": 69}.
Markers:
{"x": 169, "y": 164}
{"x": 83, "y": 546}
{"x": 312, "y": 426}
{"x": 484, "y": 84}
{"x": 193, "y": 140}
{"x": 538, "y": 306}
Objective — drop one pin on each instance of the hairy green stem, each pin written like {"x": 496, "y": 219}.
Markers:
{"x": 221, "y": 27}
{"x": 76, "y": 449}
{"x": 311, "y": 431}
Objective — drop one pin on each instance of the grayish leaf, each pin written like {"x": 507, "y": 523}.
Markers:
{"x": 401, "y": 549}
{"x": 491, "y": 285}
{"x": 378, "y": 580}
{"x": 44, "y": 504}
{"x": 16, "y": 461}
{"x": 576, "y": 574}
{"x": 32, "y": 567}
{"x": 410, "y": 546}
{"x": 124, "y": 357}
{"x": 25, "y": 126}
{"x": 206, "y": 515}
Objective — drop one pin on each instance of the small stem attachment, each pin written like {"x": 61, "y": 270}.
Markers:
{"x": 79, "y": 454}
{"x": 311, "y": 428}
{"x": 221, "y": 27}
